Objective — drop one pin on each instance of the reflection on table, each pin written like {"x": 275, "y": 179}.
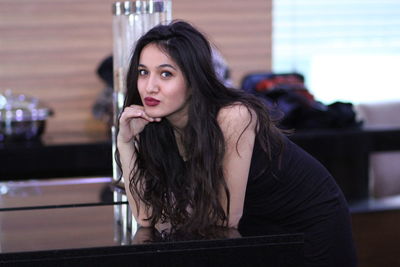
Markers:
{"x": 86, "y": 222}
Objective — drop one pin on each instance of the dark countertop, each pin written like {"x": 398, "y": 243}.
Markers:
{"x": 56, "y": 156}
{"x": 345, "y": 153}
{"x": 72, "y": 222}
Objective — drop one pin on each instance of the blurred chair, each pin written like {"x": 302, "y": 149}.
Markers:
{"x": 384, "y": 166}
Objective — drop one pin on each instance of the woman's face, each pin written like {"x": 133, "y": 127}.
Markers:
{"x": 162, "y": 86}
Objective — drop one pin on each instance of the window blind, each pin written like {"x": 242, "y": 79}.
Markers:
{"x": 348, "y": 50}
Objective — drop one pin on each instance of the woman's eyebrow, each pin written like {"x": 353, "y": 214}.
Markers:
{"x": 160, "y": 66}
{"x": 166, "y": 66}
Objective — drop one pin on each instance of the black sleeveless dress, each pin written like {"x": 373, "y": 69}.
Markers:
{"x": 298, "y": 195}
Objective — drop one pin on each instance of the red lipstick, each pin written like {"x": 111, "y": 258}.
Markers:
{"x": 149, "y": 101}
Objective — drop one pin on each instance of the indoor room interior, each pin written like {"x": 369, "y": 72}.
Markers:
{"x": 58, "y": 189}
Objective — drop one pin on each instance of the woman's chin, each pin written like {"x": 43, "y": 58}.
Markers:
{"x": 153, "y": 113}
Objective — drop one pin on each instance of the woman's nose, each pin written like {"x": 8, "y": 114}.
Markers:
{"x": 152, "y": 85}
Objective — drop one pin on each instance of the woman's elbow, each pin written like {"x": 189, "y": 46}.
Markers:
{"x": 234, "y": 222}
{"x": 143, "y": 222}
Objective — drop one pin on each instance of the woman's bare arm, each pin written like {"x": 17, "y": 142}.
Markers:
{"x": 238, "y": 126}
{"x": 127, "y": 158}
{"x": 132, "y": 121}
{"x": 140, "y": 211}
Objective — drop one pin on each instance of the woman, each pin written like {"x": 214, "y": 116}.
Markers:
{"x": 196, "y": 155}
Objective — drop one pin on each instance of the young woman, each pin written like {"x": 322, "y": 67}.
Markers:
{"x": 196, "y": 155}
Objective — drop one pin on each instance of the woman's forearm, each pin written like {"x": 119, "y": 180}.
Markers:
{"x": 127, "y": 158}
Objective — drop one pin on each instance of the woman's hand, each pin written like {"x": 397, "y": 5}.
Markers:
{"x": 143, "y": 235}
{"x": 132, "y": 121}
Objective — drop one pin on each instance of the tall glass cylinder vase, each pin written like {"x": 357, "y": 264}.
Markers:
{"x": 131, "y": 19}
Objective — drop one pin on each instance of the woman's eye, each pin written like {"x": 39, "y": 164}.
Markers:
{"x": 166, "y": 74}
{"x": 142, "y": 72}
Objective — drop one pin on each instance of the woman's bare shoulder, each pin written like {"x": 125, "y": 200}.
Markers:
{"x": 236, "y": 116}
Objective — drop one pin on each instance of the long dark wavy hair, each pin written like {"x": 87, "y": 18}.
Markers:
{"x": 187, "y": 193}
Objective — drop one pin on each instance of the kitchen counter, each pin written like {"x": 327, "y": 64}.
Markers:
{"x": 345, "y": 153}
{"x": 56, "y": 156}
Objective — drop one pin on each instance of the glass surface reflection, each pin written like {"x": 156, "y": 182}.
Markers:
{"x": 56, "y": 228}
{"x": 55, "y": 193}
{"x": 73, "y": 221}
{"x": 146, "y": 235}
{"x": 90, "y": 224}
{"x": 81, "y": 227}
{"x": 73, "y": 213}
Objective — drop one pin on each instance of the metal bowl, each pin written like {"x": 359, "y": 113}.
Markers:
{"x": 21, "y": 117}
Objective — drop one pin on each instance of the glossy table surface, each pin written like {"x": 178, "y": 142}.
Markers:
{"x": 56, "y": 214}
{"x": 82, "y": 221}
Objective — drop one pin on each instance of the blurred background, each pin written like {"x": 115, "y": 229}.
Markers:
{"x": 52, "y": 49}
{"x": 340, "y": 51}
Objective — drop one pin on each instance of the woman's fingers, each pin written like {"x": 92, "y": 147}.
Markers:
{"x": 138, "y": 112}
{"x": 132, "y": 121}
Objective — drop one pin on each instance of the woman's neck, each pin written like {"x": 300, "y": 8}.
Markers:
{"x": 179, "y": 137}
{"x": 179, "y": 118}
{"x": 178, "y": 122}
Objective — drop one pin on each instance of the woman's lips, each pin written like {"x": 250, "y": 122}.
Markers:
{"x": 149, "y": 101}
